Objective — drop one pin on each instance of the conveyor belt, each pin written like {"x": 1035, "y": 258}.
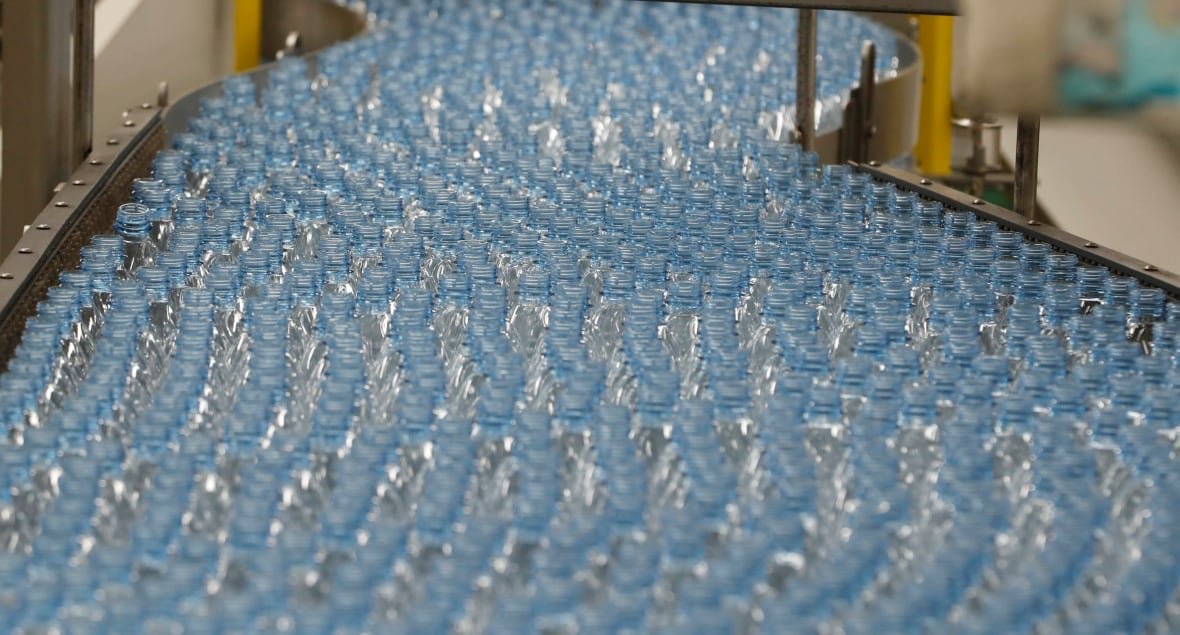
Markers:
{"x": 508, "y": 357}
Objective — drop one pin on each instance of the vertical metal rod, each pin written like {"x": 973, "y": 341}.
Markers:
{"x": 37, "y": 102}
{"x": 1028, "y": 146}
{"x": 83, "y": 79}
{"x": 805, "y": 79}
{"x": 868, "y": 92}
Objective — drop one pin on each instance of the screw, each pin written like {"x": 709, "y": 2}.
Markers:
{"x": 95, "y": 162}
{"x": 78, "y": 182}
{"x": 1151, "y": 268}
{"x": 112, "y": 141}
{"x": 24, "y": 250}
{"x": 146, "y": 106}
{"x": 874, "y": 164}
{"x": 1034, "y": 223}
{"x": 128, "y": 124}
{"x": 6, "y": 276}
{"x": 926, "y": 182}
{"x": 43, "y": 227}
{"x": 61, "y": 204}
{"x": 1091, "y": 245}
{"x": 979, "y": 201}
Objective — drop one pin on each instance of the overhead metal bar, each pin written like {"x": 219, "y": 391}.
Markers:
{"x": 932, "y": 7}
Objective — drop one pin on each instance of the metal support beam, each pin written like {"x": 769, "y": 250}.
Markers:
{"x": 934, "y": 7}
{"x": 47, "y": 104}
{"x": 1028, "y": 146}
{"x": 805, "y": 79}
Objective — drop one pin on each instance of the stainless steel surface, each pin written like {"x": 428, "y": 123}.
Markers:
{"x": 1028, "y": 146}
{"x": 319, "y": 24}
{"x": 84, "y": 206}
{"x": 38, "y": 100}
{"x": 1086, "y": 250}
{"x": 805, "y": 79}
{"x": 937, "y": 7}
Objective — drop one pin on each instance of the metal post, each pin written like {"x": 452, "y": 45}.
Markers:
{"x": 36, "y": 119}
{"x": 867, "y": 92}
{"x": 1028, "y": 145}
{"x": 805, "y": 79}
{"x": 47, "y": 104}
{"x": 83, "y": 79}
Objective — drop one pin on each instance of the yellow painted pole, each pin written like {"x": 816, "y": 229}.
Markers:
{"x": 247, "y": 34}
{"x": 936, "y": 40}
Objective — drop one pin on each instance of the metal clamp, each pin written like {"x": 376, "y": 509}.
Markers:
{"x": 292, "y": 46}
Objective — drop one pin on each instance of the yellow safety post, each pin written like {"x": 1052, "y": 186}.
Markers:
{"x": 247, "y": 34}
{"x": 936, "y": 40}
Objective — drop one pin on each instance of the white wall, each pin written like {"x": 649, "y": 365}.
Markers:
{"x": 188, "y": 43}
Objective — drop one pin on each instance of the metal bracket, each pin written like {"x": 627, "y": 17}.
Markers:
{"x": 162, "y": 95}
{"x": 292, "y": 46}
{"x": 858, "y": 129}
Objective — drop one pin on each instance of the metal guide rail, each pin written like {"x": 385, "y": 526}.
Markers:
{"x": 1086, "y": 250}
{"x": 932, "y": 7}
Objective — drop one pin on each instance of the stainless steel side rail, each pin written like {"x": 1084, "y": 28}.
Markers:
{"x": 1087, "y": 251}
{"x": 84, "y": 206}
{"x": 933, "y": 7}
